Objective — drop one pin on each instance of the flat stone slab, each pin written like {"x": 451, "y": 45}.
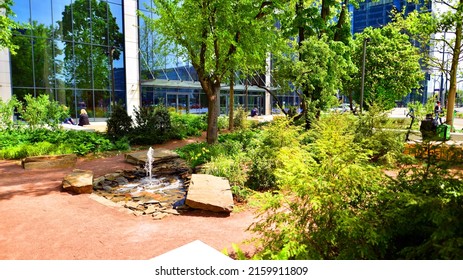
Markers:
{"x": 49, "y": 161}
{"x": 211, "y": 193}
{"x": 79, "y": 181}
{"x": 159, "y": 155}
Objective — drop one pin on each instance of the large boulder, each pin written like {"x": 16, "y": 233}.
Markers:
{"x": 49, "y": 161}
{"x": 159, "y": 155}
{"x": 79, "y": 181}
{"x": 211, "y": 193}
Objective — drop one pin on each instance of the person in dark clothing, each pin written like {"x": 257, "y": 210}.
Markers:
{"x": 254, "y": 112}
{"x": 83, "y": 118}
{"x": 437, "y": 112}
{"x": 68, "y": 120}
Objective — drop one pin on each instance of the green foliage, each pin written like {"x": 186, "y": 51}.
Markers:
{"x": 6, "y": 26}
{"x": 326, "y": 187}
{"x": 119, "y": 124}
{"x": 185, "y": 125}
{"x": 222, "y": 122}
{"x": 264, "y": 150}
{"x": 423, "y": 216}
{"x": 372, "y": 132}
{"x": 240, "y": 118}
{"x": 6, "y": 112}
{"x": 15, "y": 144}
{"x": 40, "y": 111}
{"x": 392, "y": 66}
{"x": 152, "y": 125}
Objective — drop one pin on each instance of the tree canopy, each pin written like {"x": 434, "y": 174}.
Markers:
{"x": 392, "y": 67}
{"x": 6, "y": 26}
{"x": 213, "y": 35}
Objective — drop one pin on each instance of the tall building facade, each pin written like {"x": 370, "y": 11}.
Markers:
{"x": 82, "y": 53}
{"x": 89, "y": 53}
{"x": 378, "y": 13}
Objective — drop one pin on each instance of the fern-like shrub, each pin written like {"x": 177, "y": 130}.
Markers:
{"x": 326, "y": 186}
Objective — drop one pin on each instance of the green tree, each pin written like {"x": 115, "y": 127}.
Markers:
{"x": 85, "y": 22}
{"x": 6, "y": 111}
{"x": 322, "y": 208}
{"x": 6, "y": 26}
{"x": 210, "y": 34}
{"x": 441, "y": 31}
{"x": 392, "y": 67}
{"x": 325, "y": 25}
{"x": 34, "y": 64}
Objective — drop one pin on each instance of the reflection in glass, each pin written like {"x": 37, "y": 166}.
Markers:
{"x": 22, "y": 10}
{"x": 22, "y": 62}
{"x": 66, "y": 52}
{"x": 41, "y": 12}
{"x": 43, "y": 62}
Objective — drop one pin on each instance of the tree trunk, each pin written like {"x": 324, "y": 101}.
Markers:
{"x": 232, "y": 102}
{"x": 453, "y": 71}
{"x": 213, "y": 112}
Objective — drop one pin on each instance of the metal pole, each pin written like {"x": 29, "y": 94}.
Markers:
{"x": 362, "y": 85}
{"x": 113, "y": 95}
{"x": 441, "y": 92}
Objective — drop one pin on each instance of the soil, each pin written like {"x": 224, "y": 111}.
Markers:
{"x": 41, "y": 222}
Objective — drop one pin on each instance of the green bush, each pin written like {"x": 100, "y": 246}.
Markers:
{"x": 372, "y": 131}
{"x": 240, "y": 118}
{"x": 6, "y": 112}
{"x": 119, "y": 124}
{"x": 186, "y": 125}
{"x": 21, "y": 143}
{"x": 422, "y": 217}
{"x": 325, "y": 186}
{"x": 40, "y": 111}
{"x": 152, "y": 125}
{"x": 264, "y": 150}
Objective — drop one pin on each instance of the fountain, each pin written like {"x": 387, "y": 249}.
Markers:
{"x": 156, "y": 185}
{"x": 149, "y": 164}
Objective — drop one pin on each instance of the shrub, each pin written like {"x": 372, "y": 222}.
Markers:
{"x": 41, "y": 111}
{"x": 185, "y": 125}
{"x": 325, "y": 188}
{"x": 119, "y": 124}
{"x": 386, "y": 145}
{"x": 6, "y": 112}
{"x": 240, "y": 118}
{"x": 423, "y": 216}
{"x": 15, "y": 144}
{"x": 152, "y": 125}
{"x": 264, "y": 150}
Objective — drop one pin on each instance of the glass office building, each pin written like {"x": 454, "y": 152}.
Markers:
{"x": 378, "y": 13}
{"x": 73, "y": 51}
{"x": 89, "y": 53}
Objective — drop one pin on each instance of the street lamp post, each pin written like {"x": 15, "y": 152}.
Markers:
{"x": 362, "y": 85}
{"x": 111, "y": 57}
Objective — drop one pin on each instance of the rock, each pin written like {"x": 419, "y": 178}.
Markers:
{"x": 159, "y": 215}
{"x": 79, "y": 181}
{"x": 151, "y": 209}
{"x": 160, "y": 155}
{"x": 43, "y": 162}
{"x": 170, "y": 211}
{"x": 209, "y": 193}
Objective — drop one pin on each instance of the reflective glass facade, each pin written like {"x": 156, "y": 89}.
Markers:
{"x": 72, "y": 50}
{"x": 377, "y": 13}
{"x": 172, "y": 80}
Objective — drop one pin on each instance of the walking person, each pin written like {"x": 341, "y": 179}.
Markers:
{"x": 437, "y": 112}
